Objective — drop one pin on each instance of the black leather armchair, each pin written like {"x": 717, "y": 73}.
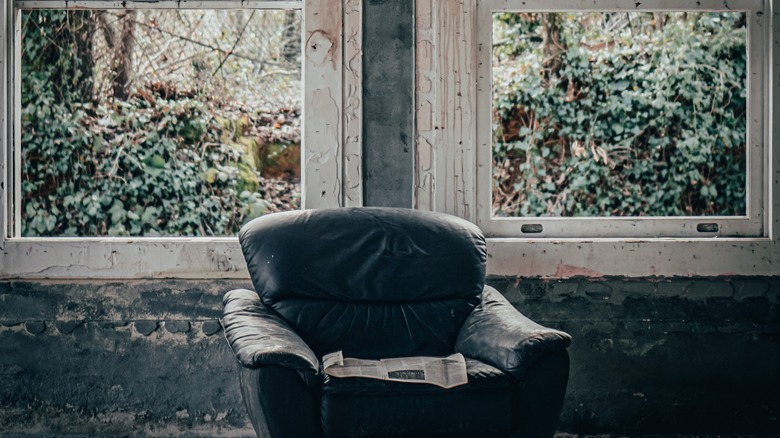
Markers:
{"x": 376, "y": 283}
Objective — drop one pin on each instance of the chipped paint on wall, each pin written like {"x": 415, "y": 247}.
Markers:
{"x": 546, "y": 258}
{"x": 109, "y": 258}
{"x": 322, "y": 128}
{"x": 353, "y": 108}
{"x": 424, "y": 98}
{"x": 445, "y": 93}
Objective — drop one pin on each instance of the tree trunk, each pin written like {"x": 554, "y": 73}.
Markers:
{"x": 60, "y": 49}
{"x": 292, "y": 36}
{"x": 123, "y": 56}
{"x": 551, "y": 43}
{"x": 82, "y": 28}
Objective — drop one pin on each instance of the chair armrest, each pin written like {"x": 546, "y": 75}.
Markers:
{"x": 259, "y": 337}
{"x": 497, "y": 334}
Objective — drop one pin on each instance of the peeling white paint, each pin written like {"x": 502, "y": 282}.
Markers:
{"x": 425, "y": 62}
{"x": 122, "y": 258}
{"x": 445, "y": 88}
{"x": 353, "y": 108}
{"x": 4, "y": 134}
{"x": 425, "y": 155}
{"x": 319, "y": 48}
{"x": 322, "y": 158}
{"x": 424, "y": 98}
{"x": 425, "y": 116}
{"x": 321, "y": 161}
{"x": 424, "y": 16}
{"x": 635, "y": 258}
{"x": 158, "y": 4}
{"x": 353, "y": 186}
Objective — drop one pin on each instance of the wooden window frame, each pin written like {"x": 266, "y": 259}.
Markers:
{"x": 331, "y": 151}
{"x": 451, "y": 174}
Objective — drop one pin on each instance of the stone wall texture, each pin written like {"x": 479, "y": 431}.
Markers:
{"x": 146, "y": 358}
{"x": 664, "y": 355}
{"x": 101, "y": 359}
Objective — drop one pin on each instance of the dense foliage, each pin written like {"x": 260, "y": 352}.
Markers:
{"x": 146, "y": 165}
{"x": 169, "y": 167}
{"x": 607, "y": 114}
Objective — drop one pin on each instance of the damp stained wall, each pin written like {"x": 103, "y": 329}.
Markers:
{"x": 388, "y": 99}
{"x": 117, "y": 358}
{"x": 686, "y": 355}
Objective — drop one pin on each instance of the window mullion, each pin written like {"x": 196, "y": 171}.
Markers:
{"x": 322, "y": 160}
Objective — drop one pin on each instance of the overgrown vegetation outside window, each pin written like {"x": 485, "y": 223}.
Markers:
{"x": 158, "y": 123}
{"x": 619, "y": 114}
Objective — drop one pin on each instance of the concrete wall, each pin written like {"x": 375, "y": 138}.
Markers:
{"x": 388, "y": 102}
{"x": 139, "y": 358}
{"x": 686, "y": 355}
{"x": 149, "y": 358}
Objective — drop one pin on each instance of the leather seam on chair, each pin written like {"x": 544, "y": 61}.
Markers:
{"x": 374, "y": 303}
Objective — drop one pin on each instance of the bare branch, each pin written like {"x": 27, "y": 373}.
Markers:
{"x": 235, "y": 43}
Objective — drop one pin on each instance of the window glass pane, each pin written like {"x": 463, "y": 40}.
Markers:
{"x": 158, "y": 122}
{"x": 619, "y": 114}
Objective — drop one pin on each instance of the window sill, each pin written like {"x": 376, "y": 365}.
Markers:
{"x": 122, "y": 258}
{"x": 651, "y": 257}
{"x": 221, "y": 258}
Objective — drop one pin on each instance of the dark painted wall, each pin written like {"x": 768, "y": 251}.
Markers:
{"x": 664, "y": 356}
{"x": 648, "y": 356}
{"x": 103, "y": 359}
{"x": 388, "y": 102}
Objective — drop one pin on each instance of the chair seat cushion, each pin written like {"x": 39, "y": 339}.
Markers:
{"x": 359, "y": 407}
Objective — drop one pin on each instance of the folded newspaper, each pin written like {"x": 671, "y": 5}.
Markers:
{"x": 446, "y": 372}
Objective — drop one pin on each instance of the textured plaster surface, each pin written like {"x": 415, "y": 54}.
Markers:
{"x": 446, "y": 123}
{"x": 353, "y": 102}
{"x": 388, "y": 96}
{"x": 649, "y": 356}
{"x": 129, "y": 359}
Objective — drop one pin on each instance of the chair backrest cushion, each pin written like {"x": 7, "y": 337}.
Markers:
{"x": 374, "y": 282}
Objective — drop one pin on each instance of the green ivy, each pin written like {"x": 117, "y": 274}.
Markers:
{"x": 134, "y": 168}
{"x": 652, "y": 123}
{"x": 145, "y": 166}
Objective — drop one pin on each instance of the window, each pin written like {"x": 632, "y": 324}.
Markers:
{"x": 517, "y": 133}
{"x": 137, "y": 133}
{"x": 605, "y": 123}
{"x": 158, "y": 122}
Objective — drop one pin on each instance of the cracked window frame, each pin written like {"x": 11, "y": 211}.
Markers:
{"x": 750, "y": 222}
{"x": 448, "y": 79}
{"x": 170, "y": 257}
